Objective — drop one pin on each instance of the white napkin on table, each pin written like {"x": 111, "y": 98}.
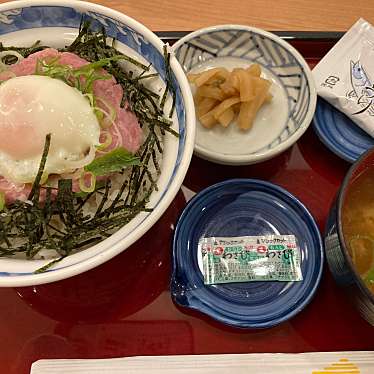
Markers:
{"x": 345, "y": 76}
{"x": 264, "y": 363}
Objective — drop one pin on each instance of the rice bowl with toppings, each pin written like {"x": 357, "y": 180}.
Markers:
{"x": 112, "y": 134}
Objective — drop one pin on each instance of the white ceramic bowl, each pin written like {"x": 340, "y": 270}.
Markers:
{"x": 56, "y": 24}
{"x": 279, "y": 124}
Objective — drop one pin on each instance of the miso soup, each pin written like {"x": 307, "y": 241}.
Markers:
{"x": 358, "y": 225}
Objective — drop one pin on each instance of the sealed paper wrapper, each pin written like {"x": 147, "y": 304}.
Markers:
{"x": 264, "y": 363}
{"x": 345, "y": 76}
{"x": 249, "y": 258}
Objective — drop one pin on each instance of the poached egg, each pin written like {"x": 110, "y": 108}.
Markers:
{"x": 33, "y": 106}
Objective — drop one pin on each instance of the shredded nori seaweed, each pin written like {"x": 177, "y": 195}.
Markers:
{"x": 32, "y": 223}
{"x": 23, "y": 51}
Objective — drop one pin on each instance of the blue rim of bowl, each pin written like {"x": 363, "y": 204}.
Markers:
{"x": 339, "y": 134}
{"x": 213, "y": 312}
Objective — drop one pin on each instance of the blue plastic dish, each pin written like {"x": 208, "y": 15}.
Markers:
{"x": 339, "y": 133}
{"x": 241, "y": 207}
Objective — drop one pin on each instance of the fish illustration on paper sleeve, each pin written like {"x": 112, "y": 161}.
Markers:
{"x": 362, "y": 88}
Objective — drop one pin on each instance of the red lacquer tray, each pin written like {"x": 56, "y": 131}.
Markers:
{"x": 124, "y": 308}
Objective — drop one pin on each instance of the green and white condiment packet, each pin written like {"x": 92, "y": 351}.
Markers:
{"x": 249, "y": 258}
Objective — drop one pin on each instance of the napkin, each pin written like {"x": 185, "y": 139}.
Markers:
{"x": 262, "y": 363}
{"x": 345, "y": 76}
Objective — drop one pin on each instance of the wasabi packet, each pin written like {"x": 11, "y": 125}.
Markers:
{"x": 345, "y": 76}
{"x": 250, "y": 258}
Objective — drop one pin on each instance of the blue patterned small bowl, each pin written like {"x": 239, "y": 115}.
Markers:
{"x": 56, "y": 23}
{"x": 245, "y": 207}
{"x": 279, "y": 124}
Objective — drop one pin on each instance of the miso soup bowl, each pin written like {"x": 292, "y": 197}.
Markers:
{"x": 338, "y": 257}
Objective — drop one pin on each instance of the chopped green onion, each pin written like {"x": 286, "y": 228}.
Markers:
{"x": 112, "y": 112}
{"x": 82, "y": 182}
{"x": 2, "y": 201}
{"x": 90, "y": 98}
{"x": 108, "y": 141}
{"x": 98, "y": 186}
{"x": 72, "y": 76}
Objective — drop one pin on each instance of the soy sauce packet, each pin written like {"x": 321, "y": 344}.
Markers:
{"x": 345, "y": 76}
